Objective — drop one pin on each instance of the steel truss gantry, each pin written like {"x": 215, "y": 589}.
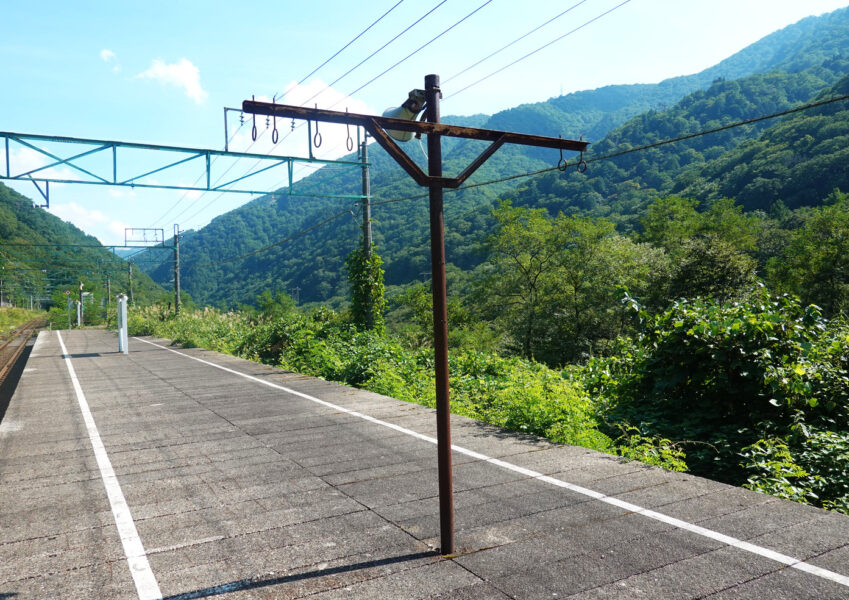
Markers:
{"x": 157, "y": 159}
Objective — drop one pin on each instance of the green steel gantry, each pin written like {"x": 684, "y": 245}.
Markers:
{"x": 158, "y": 160}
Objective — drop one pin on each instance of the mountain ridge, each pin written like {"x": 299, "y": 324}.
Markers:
{"x": 315, "y": 264}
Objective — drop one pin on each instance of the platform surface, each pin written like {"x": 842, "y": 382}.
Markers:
{"x": 193, "y": 481}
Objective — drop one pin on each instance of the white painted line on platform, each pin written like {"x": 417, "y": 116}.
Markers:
{"x": 146, "y": 584}
{"x": 39, "y": 340}
{"x": 790, "y": 561}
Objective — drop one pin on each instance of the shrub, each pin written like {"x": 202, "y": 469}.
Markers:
{"x": 727, "y": 375}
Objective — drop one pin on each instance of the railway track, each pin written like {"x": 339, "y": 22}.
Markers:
{"x": 12, "y": 344}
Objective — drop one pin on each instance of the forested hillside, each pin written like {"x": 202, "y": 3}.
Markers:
{"x": 785, "y": 69}
{"x": 41, "y": 256}
{"x": 622, "y": 187}
{"x": 796, "y": 162}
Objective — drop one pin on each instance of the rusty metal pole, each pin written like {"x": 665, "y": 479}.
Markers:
{"x": 440, "y": 321}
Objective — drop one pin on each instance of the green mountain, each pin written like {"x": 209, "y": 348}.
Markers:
{"x": 41, "y": 256}
{"x": 798, "y": 161}
{"x": 784, "y": 69}
{"x": 621, "y": 187}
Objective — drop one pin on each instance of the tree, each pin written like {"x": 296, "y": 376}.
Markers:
{"x": 815, "y": 264}
{"x": 523, "y": 271}
{"x": 670, "y": 221}
{"x": 366, "y": 278}
{"x": 554, "y": 285}
{"x": 713, "y": 268}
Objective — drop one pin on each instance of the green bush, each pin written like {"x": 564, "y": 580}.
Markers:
{"x": 811, "y": 466}
{"x": 719, "y": 377}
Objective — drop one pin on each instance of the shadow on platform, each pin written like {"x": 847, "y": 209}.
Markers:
{"x": 252, "y": 584}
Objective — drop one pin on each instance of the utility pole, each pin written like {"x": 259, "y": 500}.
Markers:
{"x": 130, "y": 265}
{"x": 367, "y": 224}
{"x": 366, "y": 199}
{"x": 440, "y": 320}
{"x": 108, "y": 295}
{"x": 176, "y": 269}
{"x": 383, "y": 129}
{"x": 80, "y": 310}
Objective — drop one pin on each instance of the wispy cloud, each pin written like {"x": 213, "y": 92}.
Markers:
{"x": 109, "y": 57}
{"x": 92, "y": 221}
{"x": 182, "y": 74}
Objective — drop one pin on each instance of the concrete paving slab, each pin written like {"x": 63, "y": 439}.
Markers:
{"x": 783, "y": 584}
{"x": 241, "y": 490}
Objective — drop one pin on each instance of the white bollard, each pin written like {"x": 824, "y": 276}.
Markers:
{"x": 122, "y": 324}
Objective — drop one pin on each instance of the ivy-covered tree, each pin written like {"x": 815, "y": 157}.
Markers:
{"x": 365, "y": 275}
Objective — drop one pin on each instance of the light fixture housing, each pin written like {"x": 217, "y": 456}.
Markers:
{"x": 408, "y": 111}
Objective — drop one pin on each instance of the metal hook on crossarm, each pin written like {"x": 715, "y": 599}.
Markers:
{"x": 561, "y": 164}
{"x": 582, "y": 164}
{"x": 316, "y": 140}
{"x": 253, "y": 130}
{"x": 274, "y": 134}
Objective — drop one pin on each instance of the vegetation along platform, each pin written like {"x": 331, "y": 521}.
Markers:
{"x": 183, "y": 473}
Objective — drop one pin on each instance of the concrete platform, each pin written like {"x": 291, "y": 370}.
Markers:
{"x": 182, "y": 473}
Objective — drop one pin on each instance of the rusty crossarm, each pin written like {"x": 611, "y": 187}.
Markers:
{"x": 333, "y": 116}
{"x": 377, "y": 127}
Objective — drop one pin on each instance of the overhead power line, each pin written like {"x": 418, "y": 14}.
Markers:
{"x": 518, "y": 39}
{"x": 338, "y": 52}
{"x": 544, "y": 46}
{"x": 370, "y": 56}
{"x": 642, "y": 148}
{"x": 417, "y": 50}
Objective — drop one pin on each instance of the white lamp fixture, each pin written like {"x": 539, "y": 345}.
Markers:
{"x": 407, "y": 111}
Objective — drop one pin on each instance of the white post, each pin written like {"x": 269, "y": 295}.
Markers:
{"x": 79, "y": 314}
{"x": 122, "y": 324}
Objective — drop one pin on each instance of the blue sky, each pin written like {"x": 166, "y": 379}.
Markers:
{"x": 161, "y": 72}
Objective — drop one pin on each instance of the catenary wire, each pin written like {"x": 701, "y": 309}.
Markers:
{"x": 358, "y": 65}
{"x": 186, "y": 193}
{"x": 518, "y": 39}
{"x": 370, "y": 56}
{"x": 338, "y": 52}
{"x": 529, "y": 54}
{"x": 417, "y": 50}
{"x": 612, "y": 155}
